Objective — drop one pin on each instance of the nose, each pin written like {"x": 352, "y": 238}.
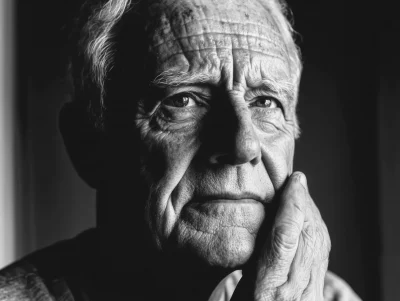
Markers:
{"x": 238, "y": 141}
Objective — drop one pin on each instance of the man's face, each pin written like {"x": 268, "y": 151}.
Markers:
{"x": 217, "y": 130}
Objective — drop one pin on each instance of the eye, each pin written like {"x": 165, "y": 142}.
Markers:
{"x": 265, "y": 102}
{"x": 180, "y": 101}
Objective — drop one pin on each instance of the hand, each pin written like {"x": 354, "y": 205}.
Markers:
{"x": 336, "y": 289}
{"x": 294, "y": 261}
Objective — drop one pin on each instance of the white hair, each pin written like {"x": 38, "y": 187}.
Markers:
{"x": 98, "y": 32}
{"x": 94, "y": 58}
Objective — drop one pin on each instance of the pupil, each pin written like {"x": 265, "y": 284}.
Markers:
{"x": 264, "y": 101}
{"x": 182, "y": 101}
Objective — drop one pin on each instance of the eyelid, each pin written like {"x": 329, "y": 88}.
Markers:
{"x": 260, "y": 92}
{"x": 194, "y": 89}
{"x": 197, "y": 97}
{"x": 253, "y": 94}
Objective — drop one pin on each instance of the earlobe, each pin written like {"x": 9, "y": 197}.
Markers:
{"x": 84, "y": 143}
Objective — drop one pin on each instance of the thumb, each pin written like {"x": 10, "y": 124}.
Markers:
{"x": 282, "y": 246}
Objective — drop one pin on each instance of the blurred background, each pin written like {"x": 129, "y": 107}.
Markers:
{"x": 349, "y": 149}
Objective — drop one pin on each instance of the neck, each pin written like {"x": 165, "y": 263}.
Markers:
{"x": 185, "y": 278}
{"x": 155, "y": 275}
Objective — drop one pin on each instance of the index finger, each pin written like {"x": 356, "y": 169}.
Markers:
{"x": 274, "y": 266}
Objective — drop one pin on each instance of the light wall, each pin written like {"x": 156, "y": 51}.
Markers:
{"x": 7, "y": 187}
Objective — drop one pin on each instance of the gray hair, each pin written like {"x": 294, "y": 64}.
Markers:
{"x": 94, "y": 57}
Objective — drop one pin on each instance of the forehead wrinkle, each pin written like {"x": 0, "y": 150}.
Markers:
{"x": 241, "y": 67}
{"x": 195, "y": 17}
{"x": 187, "y": 45}
{"x": 216, "y": 33}
{"x": 273, "y": 55}
{"x": 205, "y": 28}
{"x": 208, "y": 39}
{"x": 253, "y": 73}
{"x": 180, "y": 38}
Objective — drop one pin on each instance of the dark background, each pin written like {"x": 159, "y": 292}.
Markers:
{"x": 349, "y": 113}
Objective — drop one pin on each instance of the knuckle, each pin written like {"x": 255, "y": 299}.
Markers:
{"x": 285, "y": 293}
{"x": 308, "y": 296}
{"x": 264, "y": 296}
{"x": 301, "y": 283}
{"x": 308, "y": 233}
{"x": 285, "y": 237}
{"x": 295, "y": 192}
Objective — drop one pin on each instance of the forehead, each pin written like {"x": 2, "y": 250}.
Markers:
{"x": 226, "y": 38}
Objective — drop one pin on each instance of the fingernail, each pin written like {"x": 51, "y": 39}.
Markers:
{"x": 302, "y": 179}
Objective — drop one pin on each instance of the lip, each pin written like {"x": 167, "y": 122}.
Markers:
{"x": 231, "y": 198}
{"x": 230, "y": 201}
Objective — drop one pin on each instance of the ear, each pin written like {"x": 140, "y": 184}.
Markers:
{"x": 84, "y": 143}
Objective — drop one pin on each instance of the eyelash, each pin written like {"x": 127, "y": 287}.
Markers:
{"x": 257, "y": 94}
{"x": 254, "y": 95}
{"x": 196, "y": 98}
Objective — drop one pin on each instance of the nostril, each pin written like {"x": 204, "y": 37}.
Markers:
{"x": 218, "y": 158}
{"x": 245, "y": 151}
{"x": 256, "y": 160}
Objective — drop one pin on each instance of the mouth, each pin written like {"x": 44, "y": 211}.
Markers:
{"x": 217, "y": 213}
{"x": 233, "y": 198}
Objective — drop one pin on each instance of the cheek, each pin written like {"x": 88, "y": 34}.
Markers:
{"x": 277, "y": 155}
{"x": 165, "y": 159}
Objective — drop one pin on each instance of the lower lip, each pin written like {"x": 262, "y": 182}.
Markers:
{"x": 223, "y": 204}
{"x": 212, "y": 214}
{"x": 216, "y": 207}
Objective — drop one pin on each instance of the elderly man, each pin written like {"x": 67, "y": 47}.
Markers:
{"x": 184, "y": 120}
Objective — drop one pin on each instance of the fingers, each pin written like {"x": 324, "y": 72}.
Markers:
{"x": 313, "y": 291}
{"x": 303, "y": 273}
{"x": 285, "y": 234}
{"x": 307, "y": 272}
{"x": 296, "y": 259}
{"x": 320, "y": 245}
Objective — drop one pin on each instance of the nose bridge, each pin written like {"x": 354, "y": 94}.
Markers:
{"x": 234, "y": 139}
{"x": 246, "y": 144}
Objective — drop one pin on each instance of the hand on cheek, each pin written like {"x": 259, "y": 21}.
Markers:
{"x": 294, "y": 259}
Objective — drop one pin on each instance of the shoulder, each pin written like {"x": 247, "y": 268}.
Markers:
{"x": 45, "y": 274}
{"x": 21, "y": 281}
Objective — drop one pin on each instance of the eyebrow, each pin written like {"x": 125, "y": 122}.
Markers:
{"x": 285, "y": 89}
{"x": 172, "y": 78}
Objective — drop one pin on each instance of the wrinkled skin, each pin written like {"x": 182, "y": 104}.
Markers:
{"x": 224, "y": 154}
{"x": 217, "y": 138}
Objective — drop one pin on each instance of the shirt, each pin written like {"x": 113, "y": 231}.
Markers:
{"x": 69, "y": 271}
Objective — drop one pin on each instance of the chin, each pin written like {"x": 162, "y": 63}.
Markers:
{"x": 225, "y": 249}
{"x": 230, "y": 259}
